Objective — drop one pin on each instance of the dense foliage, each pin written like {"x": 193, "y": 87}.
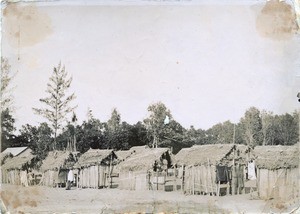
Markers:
{"x": 159, "y": 129}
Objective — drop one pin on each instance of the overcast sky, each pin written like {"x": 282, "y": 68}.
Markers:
{"x": 207, "y": 62}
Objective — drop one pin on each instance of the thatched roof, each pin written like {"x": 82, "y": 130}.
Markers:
{"x": 276, "y": 157}
{"x": 18, "y": 162}
{"x": 123, "y": 155}
{"x": 138, "y": 149}
{"x": 214, "y": 154}
{"x": 15, "y": 150}
{"x": 59, "y": 160}
{"x": 143, "y": 160}
{"x": 95, "y": 157}
{"x": 4, "y": 157}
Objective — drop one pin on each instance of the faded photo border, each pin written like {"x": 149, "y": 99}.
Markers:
{"x": 208, "y": 61}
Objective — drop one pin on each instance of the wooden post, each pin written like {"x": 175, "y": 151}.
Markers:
{"x": 238, "y": 180}
{"x": 227, "y": 189}
{"x": 174, "y": 183}
{"x": 210, "y": 176}
{"x": 77, "y": 178}
{"x": 233, "y": 181}
{"x": 244, "y": 179}
{"x": 193, "y": 180}
{"x": 109, "y": 171}
{"x": 156, "y": 179}
{"x": 183, "y": 178}
{"x": 258, "y": 181}
{"x": 165, "y": 174}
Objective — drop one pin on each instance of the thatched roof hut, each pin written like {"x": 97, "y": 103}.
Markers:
{"x": 145, "y": 159}
{"x": 213, "y": 154}
{"x": 14, "y": 168}
{"x": 95, "y": 157}
{"x": 59, "y": 160}
{"x": 95, "y": 168}
{"x": 278, "y": 172}
{"x": 277, "y": 157}
{"x": 207, "y": 167}
{"x": 17, "y": 158}
{"x": 19, "y": 162}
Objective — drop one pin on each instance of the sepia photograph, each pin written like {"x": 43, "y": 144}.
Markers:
{"x": 150, "y": 106}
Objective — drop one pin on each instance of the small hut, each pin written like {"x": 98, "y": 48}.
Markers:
{"x": 205, "y": 169}
{"x": 55, "y": 167}
{"x": 277, "y": 172}
{"x": 145, "y": 169}
{"x": 95, "y": 168}
{"x": 15, "y": 168}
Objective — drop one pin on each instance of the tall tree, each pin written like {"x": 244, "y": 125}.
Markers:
{"x": 44, "y": 140}
{"x": 172, "y": 135}
{"x": 57, "y": 102}
{"x": 138, "y": 135}
{"x": 156, "y": 122}
{"x": 221, "y": 133}
{"x": 268, "y": 128}
{"x": 288, "y": 129}
{"x": 37, "y": 138}
{"x": 90, "y": 135}
{"x": 6, "y": 104}
{"x": 7, "y": 129}
{"x": 115, "y": 120}
{"x": 194, "y": 136}
{"x": 117, "y": 133}
{"x": 6, "y": 87}
{"x": 29, "y": 135}
{"x": 252, "y": 126}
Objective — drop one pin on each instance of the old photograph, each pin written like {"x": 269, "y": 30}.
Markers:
{"x": 150, "y": 106}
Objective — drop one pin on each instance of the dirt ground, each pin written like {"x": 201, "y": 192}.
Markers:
{"x": 40, "y": 199}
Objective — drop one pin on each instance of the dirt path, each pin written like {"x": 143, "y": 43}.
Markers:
{"x": 40, "y": 199}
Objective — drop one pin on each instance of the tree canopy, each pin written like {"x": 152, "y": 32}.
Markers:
{"x": 159, "y": 129}
{"x": 58, "y": 103}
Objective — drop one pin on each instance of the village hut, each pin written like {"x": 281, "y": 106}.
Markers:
{"x": 55, "y": 167}
{"x": 205, "y": 169}
{"x": 16, "y": 165}
{"x": 145, "y": 169}
{"x": 277, "y": 172}
{"x": 95, "y": 168}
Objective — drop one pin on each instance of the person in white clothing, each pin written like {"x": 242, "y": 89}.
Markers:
{"x": 251, "y": 170}
{"x": 70, "y": 179}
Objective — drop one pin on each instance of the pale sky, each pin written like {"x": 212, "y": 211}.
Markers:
{"x": 207, "y": 62}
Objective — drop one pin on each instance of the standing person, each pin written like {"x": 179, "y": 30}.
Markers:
{"x": 70, "y": 179}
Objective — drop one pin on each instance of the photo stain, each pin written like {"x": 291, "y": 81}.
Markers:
{"x": 277, "y": 20}
{"x": 25, "y": 25}
{"x": 18, "y": 198}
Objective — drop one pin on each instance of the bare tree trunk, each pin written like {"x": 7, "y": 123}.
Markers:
{"x": 54, "y": 145}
